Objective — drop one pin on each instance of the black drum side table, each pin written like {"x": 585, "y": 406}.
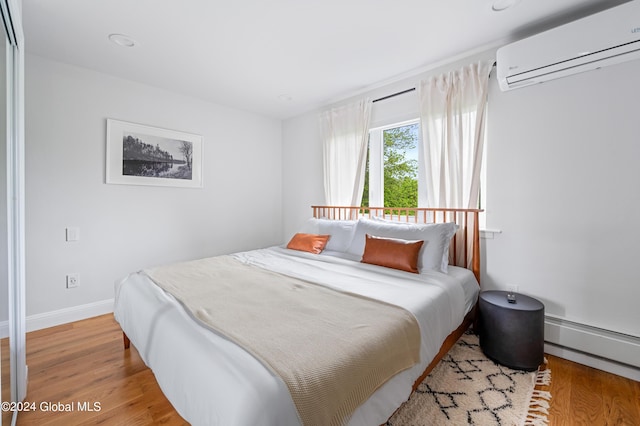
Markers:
{"x": 512, "y": 334}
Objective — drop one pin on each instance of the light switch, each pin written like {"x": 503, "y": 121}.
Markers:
{"x": 73, "y": 233}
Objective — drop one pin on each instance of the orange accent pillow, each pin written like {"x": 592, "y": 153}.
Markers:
{"x": 313, "y": 243}
{"x": 392, "y": 253}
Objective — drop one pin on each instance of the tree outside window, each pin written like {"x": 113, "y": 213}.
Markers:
{"x": 399, "y": 169}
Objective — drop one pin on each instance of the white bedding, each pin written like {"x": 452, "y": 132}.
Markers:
{"x": 211, "y": 381}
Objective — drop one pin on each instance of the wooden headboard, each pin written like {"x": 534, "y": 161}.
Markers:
{"x": 464, "y": 250}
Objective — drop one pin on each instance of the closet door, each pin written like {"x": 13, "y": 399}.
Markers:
{"x": 13, "y": 377}
{"x": 5, "y": 371}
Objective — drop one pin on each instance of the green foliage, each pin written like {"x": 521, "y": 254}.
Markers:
{"x": 400, "y": 172}
{"x": 365, "y": 193}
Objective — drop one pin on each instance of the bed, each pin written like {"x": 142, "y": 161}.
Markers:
{"x": 211, "y": 379}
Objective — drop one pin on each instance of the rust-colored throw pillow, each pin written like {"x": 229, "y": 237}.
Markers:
{"x": 313, "y": 243}
{"x": 392, "y": 253}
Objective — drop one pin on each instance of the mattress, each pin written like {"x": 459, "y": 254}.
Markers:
{"x": 211, "y": 381}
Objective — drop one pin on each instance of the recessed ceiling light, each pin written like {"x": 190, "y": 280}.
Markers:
{"x": 499, "y": 5}
{"x": 122, "y": 40}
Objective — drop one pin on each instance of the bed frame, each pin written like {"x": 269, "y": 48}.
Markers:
{"x": 464, "y": 250}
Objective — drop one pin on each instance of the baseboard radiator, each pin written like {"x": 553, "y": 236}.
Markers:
{"x": 618, "y": 347}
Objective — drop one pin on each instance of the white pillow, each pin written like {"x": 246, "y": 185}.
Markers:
{"x": 436, "y": 236}
{"x": 341, "y": 232}
{"x": 445, "y": 254}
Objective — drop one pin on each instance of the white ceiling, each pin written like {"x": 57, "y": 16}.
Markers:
{"x": 246, "y": 53}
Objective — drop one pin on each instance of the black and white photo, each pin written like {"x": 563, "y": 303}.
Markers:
{"x": 144, "y": 155}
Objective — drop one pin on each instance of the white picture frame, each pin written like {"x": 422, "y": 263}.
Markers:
{"x": 144, "y": 155}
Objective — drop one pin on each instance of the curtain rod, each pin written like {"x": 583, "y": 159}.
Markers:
{"x": 393, "y": 95}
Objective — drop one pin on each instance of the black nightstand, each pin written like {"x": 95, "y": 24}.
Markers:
{"x": 512, "y": 334}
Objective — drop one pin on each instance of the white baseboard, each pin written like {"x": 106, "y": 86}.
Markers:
{"x": 605, "y": 350}
{"x": 4, "y": 329}
{"x": 63, "y": 316}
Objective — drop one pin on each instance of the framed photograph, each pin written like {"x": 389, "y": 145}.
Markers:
{"x": 145, "y": 155}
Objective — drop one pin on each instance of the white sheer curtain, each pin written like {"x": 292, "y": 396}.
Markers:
{"x": 452, "y": 119}
{"x": 346, "y": 133}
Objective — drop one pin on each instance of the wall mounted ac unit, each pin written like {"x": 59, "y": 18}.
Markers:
{"x": 599, "y": 40}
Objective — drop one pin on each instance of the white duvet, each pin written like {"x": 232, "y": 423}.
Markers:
{"x": 212, "y": 381}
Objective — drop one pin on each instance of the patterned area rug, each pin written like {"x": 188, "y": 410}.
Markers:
{"x": 468, "y": 388}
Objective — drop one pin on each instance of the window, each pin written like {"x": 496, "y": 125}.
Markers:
{"x": 393, "y": 167}
{"x": 391, "y": 178}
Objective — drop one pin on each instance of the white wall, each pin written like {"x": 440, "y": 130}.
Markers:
{"x": 563, "y": 180}
{"x": 126, "y": 228}
{"x": 302, "y": 174}
{"x": 563, "y": 184}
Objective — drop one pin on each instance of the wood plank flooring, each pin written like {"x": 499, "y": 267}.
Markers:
{"x": 582, "y": 395}
{"x": 84, "y": 362}
{"x": 4, "y": 375}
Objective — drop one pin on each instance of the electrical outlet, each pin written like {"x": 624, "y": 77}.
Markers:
{"x": 73, "y": 280}
{"x": 72, "y": 233}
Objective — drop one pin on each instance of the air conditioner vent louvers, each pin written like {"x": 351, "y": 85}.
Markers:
{"x": 608, "y": 37}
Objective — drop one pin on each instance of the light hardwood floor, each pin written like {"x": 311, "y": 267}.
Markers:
{"x": 84, "y": 362}
{"x": 4, "y": 375}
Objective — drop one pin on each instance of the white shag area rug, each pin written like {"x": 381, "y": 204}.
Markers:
{"x": 467, "y": 388}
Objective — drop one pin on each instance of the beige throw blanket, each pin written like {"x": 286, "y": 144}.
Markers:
{"x": 332, "y": 349}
